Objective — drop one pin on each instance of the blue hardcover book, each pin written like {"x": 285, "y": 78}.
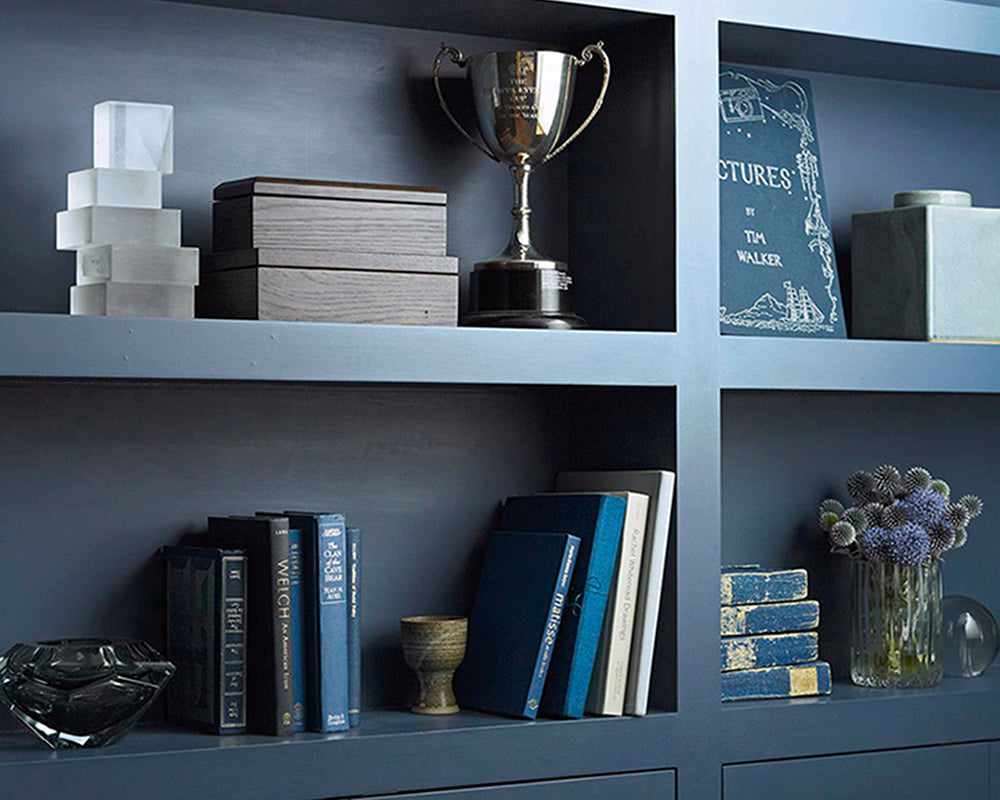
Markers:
{"x": 597, "y": 520}
{"x": 298, "y": 628}
{"x": 800, "y": 615}
{"x": 325, "y": 597}
{"x": 799, "y": 680}
{"x": 514, "y": 626}
{"x": 353, "y": 626}
{"x": 768, "y": 650}
{"x": 751, "y": 584}
{"x": 777, "y": 266}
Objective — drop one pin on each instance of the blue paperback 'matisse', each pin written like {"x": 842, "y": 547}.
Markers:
{"x": 597, "y": 520}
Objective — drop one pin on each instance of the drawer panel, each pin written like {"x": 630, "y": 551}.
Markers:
{"x": 657, "y": 785}
{"x": 958, "y": 772}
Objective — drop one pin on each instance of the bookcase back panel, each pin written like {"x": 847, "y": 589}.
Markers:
{"x": 96, "y": 477}
{"x": 273, "y": 94}
{"x": 784, "y": 453}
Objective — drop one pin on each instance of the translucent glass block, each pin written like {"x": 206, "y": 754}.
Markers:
{"x": 100, "y": 225}
{"x": 137, "y": 264}
{"x": 134, "y": 136}
{"x": 969, "y": 637}
{"x": 896, "y": 631}
{"x": 114, "y": 187}
{"x": 132, "y": 300}
{"x": 81, "y": 692}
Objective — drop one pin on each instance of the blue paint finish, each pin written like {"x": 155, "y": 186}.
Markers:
{"x": 797, "y": 680}
{"x": 755, "y": 585}
{"x": 768, "y": 650}
{"x": 770, "y": 617}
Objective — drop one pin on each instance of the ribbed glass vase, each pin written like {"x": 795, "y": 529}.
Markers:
{"x": 896, "y": 635}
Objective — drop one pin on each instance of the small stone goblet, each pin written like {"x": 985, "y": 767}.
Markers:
{"x": 434, "y": 647}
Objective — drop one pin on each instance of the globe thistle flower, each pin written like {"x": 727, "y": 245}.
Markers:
{"x": 961, "y": 537}
{"x": 957, "y": 515}
{"x": 925, "y": 507}
{"x": 875, "y": 543}
{"x": 941, "y": 488}
{"x": 857, "y": 518}
{"x": 873, "y": 511}
{"x": 833, "y": 506}
{"x": 916, "y": 478}
{"x": 827, "y": 519}
{"x": 843, "y": 534}
{"x": 942, "y": 538}
{"x": 972, "y": 504}
{"x": 861, "y": 486}
{"x": 894, "y": 516}
{"x": 887, "y": 481}
{"x": 909, "y": 544}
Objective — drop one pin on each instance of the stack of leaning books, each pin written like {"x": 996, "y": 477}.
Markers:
{"x": 770, "y": 646}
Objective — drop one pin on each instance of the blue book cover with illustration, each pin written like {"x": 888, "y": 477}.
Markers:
{"x": 751, "y": 584}
{"x": 768, "y": 650}
{"x": 799, "y": 615}
{"x": 799, "y": 680}
{"x": 597, "y": 520}
{"x": 778, "y": 273}
{"x": 516, "y": 621}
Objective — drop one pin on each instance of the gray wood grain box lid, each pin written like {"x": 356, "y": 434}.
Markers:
{"x": 303, "y": 258}
{"x": 330, "y": 190}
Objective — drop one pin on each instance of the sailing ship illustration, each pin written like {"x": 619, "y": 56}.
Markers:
{"x": 798, "y": 314}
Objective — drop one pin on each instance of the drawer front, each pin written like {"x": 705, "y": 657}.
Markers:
{"x": 657, "y": 785}
{"x": 958, "y": 772}
{"x": 995, "y": 771}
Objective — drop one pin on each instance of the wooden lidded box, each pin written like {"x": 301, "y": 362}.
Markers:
{"x": 321, "y": 251}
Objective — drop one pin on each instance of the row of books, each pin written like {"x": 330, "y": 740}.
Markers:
{"x": 263, "y": 625}
{"x": 565, "y": 616}
{"x": 770, "y": 647}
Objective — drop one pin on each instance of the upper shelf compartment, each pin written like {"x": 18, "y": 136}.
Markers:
{"x": 60, "y": 346}
{"x": 923, "y": 41}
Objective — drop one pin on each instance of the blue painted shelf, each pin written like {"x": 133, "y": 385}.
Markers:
{"x": 855, "y": 719}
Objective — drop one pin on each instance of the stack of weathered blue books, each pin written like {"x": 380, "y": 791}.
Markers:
{"x": 770, "y": 646}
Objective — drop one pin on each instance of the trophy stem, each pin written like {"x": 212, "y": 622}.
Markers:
{"x": 520, "y": 248}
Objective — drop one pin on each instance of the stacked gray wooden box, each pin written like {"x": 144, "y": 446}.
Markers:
{"x": 324, "y": 251}
{"x": 129, "y": 261}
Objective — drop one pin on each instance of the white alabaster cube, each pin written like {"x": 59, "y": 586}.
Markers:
{"x": 114, "y": 187}
{"x": 137, "y": 264}
{"x": 132, "y": 300}
{"x": 99, "y": 225}
{"x": 134, "y": 136}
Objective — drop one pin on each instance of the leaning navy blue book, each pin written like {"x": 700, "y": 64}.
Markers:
{"x": 325, "y": 599}
{"x": 798, "y": 680}
{"x": 778, "y": 273}
{"x": 751, "y": 584}
{"x": 354, "y": 626}
{"x": 206, "y": 638}
{"x": 799, "y": 615}
{"x": 270, "y": 675}
{"x": 514, "y": 626}
{"x": 768, "y": 650}
{"x": 597, "y": 520}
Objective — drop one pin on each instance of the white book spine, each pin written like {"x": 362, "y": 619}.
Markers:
{"x": 608, "y": 683}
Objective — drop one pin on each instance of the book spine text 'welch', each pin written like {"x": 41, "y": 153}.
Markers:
{"x": 801, "y": 615}
{"x": 354, "y": 626}
{"x": 295, "y": 545}
{"x": 556, "y": 609}
{"x": 234, "y": 599}
{"x": 332, "y": 650}
{"x": 740, "y": 586}
{"x": 768, "y": 650}
{"x": 799, "y": 680}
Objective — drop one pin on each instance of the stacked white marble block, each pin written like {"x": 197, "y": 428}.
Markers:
{"x": 129, "y": 259}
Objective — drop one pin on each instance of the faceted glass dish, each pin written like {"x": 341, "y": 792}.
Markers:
{"x": 969, "y": 637}
{"x": 81, "y": 692}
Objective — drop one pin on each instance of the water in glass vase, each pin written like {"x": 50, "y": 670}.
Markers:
{"x": 896, "y": 634}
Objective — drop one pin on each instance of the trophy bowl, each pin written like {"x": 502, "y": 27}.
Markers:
{"x": 522, "y": 100}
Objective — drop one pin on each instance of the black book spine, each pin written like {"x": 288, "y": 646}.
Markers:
{"x": 232, "y": 689}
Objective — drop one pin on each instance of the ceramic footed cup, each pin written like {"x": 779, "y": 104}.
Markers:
{"x": 434, "y": 647}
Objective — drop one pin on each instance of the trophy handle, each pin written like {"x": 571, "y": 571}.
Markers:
{"x": 585, "y": 56}
{"x": 458, "y": 58}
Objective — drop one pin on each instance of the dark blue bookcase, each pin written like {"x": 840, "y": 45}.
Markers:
{"x": 120, "y": 435}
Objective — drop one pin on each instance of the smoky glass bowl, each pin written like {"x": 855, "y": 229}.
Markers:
{"x": 81, "y": 692}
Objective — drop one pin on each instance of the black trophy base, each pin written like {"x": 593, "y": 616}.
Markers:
{"x": 521, "y": 294}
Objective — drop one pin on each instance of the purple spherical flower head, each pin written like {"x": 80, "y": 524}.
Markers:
{"x": 909, "y": 544}
{"x": 875, "y": 543}
{"x": 925, "y": 507}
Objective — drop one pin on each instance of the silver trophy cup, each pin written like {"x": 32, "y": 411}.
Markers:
{"x": 522, "y": 100}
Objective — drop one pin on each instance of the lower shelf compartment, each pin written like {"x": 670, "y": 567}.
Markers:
{"x": 854, "y": 719}
{"x": 391, "y": 751}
